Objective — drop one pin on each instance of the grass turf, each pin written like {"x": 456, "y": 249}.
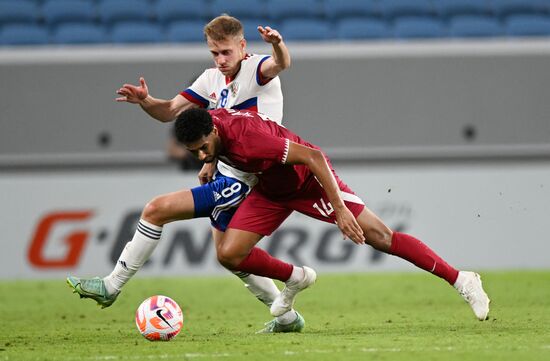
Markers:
{"x": 405, "y": 316}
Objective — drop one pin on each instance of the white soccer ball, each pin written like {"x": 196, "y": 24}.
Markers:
{"x": 159, "y": 318}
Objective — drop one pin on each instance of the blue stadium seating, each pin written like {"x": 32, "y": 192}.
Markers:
{"x": 22, "y": 11}
{"x": 185, "y": 31}
{"x": 75, "y": 33}
{"x": 183, "y": 20}
{"x": 111, "y": 11}
{"x": 175, "y": 10}
{"x": 287, "y": 9}
{"x": 450, "y": 8}
{"x": 528, "y": 25}
{"x": 305, "y": 29}
{"x": 136, "y": 32}
{"x": 362, "y": 28}
{"x": 251, "y": 28}
{"x": 468, "y": 26}
{"x": 68, "y": 11}
{"x": 396, "y": 8}
{"x": 338, "y": 9}
{"x": 504, "y": 8}
{"x": 417, "y": 27}
{"x": 24, "y": 34}
{"x": 241, "y": 9}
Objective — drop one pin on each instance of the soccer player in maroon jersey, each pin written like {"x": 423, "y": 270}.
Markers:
{"x": 239, "y": 80}
{"x": 294, "y": 175}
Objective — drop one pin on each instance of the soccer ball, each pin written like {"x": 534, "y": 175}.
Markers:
{"x": 159, "y": 318}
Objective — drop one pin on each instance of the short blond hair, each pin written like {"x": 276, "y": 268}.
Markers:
{"x": 223, "y": 27}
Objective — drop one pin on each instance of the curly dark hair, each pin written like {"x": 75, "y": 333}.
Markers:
{"x": 192, "y": 124}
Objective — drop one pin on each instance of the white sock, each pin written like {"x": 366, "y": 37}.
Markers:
{"x": 266, "y": 291}
{"x": 459, "y": 280}
{"x": 263, "y": 288}
{"x": 297, "y": 275}
{"x": 134, "y": 255}
{"x": 287, "y": 318}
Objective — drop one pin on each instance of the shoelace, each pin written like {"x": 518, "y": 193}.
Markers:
{"x": 467, "y": 291}
{"x": 270, "y": 326}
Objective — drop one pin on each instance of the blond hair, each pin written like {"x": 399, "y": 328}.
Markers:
{"x": 223, "y": 27}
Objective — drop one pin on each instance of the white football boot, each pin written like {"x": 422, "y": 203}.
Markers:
{"x": 285, "y": 301}
{"x": 468, "y": 284}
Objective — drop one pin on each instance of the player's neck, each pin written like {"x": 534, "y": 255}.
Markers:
{"x": 230, "y": 78}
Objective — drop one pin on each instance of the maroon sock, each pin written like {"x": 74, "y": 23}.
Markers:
{"x": 261, "y": 263}
{"x": 414, "y": 251}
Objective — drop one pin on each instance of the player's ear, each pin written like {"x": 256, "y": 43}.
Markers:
{"x": 215, "y": 130}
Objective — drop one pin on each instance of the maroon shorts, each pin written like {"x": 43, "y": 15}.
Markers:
{"x": 263, "y": 215}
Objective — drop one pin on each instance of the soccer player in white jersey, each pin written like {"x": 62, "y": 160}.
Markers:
{"x": 239, "y": 81}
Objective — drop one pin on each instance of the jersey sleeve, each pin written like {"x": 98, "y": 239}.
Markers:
{"x": 259, "y": 145}
{"x": 254, "y": 63}
{"x": 198, "y": 93}
{"x": 260, "y": 78}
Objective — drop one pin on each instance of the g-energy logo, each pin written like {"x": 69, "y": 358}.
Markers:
{"x": 61, "y": 239}
{"x": 74, "y": 240}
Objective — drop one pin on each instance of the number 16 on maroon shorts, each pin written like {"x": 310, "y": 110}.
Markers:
{"x": 261, "y": 214}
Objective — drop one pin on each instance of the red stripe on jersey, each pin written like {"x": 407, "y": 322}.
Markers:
{"x": 254, "y": 108}
{"x": 192, "y": 99}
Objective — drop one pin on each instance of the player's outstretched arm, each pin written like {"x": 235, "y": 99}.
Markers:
{"x": 280, "y": 58}
{"x": 160, "y": 109}
{"x": 316, "y": 162}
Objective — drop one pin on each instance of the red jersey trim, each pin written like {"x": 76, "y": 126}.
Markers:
{"x": 194, "y": 98}
{"x": 285, "y": 154}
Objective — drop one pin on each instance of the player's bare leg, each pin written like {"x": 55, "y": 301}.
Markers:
{"x": 158, "y": 212}
{"x": 265, "y": 290}
{"x": 468, "y": 284}
{"x": 237, "y": 251}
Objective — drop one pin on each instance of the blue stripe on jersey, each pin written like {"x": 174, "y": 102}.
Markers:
{"x": 247, "y": 104}
{"x": 258, "y": 72}
{"x": 203, "y": 101}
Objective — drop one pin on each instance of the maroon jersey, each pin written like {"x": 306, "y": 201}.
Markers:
{"x": 256, "y": 145}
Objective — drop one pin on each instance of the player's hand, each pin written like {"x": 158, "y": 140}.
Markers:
{"x": 133, "y": 94}
{"x": 349, "y": 226}
{"x": 270, "y": 35}
{"x": 206, "y": 173}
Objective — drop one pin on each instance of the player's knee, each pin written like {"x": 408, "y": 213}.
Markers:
{"x": 380, "y": 239}
{"x": 227, "y": 257}
{"x": 386, "y": 237}
{"x": 154, "y": 210}
{"x": 227, "y": 261}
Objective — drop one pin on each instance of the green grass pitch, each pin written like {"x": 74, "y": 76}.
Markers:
{"x": 391, "y": 316}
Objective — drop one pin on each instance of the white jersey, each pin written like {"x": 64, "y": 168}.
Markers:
{"x": 248, "y": 90}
